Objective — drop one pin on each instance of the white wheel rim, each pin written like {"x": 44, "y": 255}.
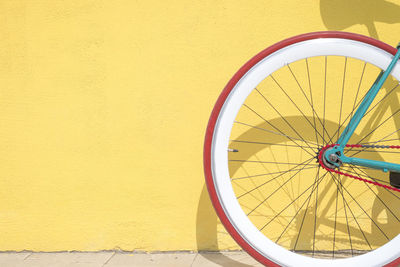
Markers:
{"x": 219, "y": 156}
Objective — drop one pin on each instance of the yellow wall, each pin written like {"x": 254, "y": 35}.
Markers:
{"x": 104, "y": 104}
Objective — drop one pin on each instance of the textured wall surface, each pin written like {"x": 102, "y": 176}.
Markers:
{"x": 104, "y": 105}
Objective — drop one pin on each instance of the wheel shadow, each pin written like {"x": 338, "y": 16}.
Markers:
{"x": 208, "y": 229}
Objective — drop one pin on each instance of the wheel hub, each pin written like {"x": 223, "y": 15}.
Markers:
{"x": 333, "y": 158}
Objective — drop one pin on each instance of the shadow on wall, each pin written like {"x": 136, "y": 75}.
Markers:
{"x": 341, "y": 14}
{"x": 207, "y": 232}
{"x": 336, "y": 15}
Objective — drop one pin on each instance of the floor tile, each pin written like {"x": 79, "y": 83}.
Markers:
{"x": 145, "y": 260}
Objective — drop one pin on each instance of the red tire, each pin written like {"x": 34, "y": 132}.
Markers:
{"x": 217, "y": 109}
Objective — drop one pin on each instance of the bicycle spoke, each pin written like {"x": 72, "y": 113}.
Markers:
{"x": 323, "y": 126}
{"x": 283, "y": 118}
{"x": 281, "y": 134}
{"x": 384, "y": 97}
{"x": 381, "y": 141}
{"x": 311, "y": 97}
{"x": 377, "y": 180}
{"x": 264, "y": 174}
{"x": 394, "y": 215}
{"x": 298, "y": 210}
{"x": 305, "y": 213}
{"x": 308, "y": 101}
{"x": 272, "y": 162}
{"x": 315, "y": 219}
{"x": 358, "y": 90}
{"x": 345, "y": 213}
{"x": 341, "y": 99}
{"x": 365, "y": 136}
{"x": 334, "y": 228}
{"x": 302, "y": 163}
{"x": 276, "y": 190}
{"x": 350, "y": 115}
{"x": 291, "y": 100}
{"x": 360, "y": 206}
{"x": 367, "y": 176}
{"x": 271, "y": 144}
{"x": 337, "y": 181}
{"x": 278, "y": 128}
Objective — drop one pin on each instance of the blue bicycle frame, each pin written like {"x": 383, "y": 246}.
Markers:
{"x": 354, "y": 122}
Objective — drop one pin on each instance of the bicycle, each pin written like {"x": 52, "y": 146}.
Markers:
{"x": 281, "y": 145}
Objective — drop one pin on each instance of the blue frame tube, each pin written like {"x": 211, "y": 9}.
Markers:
{"x": 349, "y": 130}
{"x": 375, "y": 164}
{"x": 355, "y": 121}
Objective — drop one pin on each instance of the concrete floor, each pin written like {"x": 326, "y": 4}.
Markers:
{"x": 120, "y": 259}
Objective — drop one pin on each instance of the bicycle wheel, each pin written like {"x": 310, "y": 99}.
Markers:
{"x": 264, "y": 135}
